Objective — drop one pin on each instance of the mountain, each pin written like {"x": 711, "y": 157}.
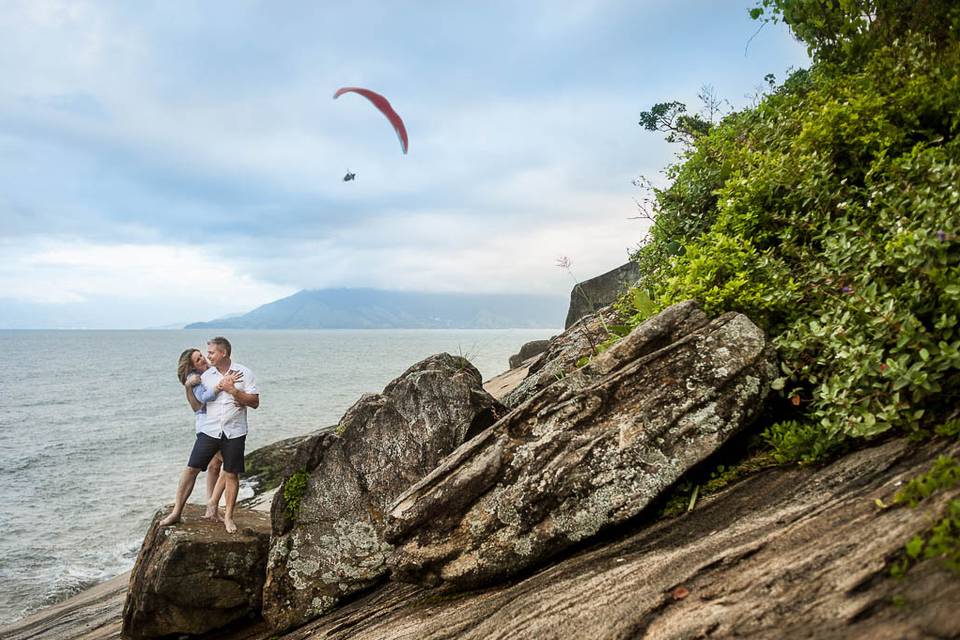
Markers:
{"x": 378, "y": 309}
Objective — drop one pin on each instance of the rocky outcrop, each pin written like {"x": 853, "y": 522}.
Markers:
{"x": 786, "y": 553}
{"x": 193, "y": 577}
{"x": 592, "y": 295}
{"x": 328, "y": 519}
{"x": 575, "y": 345}
{"x": 588, "y": 452}
{"x": 527, "y": 351}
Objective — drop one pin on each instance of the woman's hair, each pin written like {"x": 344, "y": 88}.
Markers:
{"x": 184, "y": 365}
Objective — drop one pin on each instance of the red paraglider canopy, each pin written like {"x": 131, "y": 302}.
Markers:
{"x": 383, "y": 105}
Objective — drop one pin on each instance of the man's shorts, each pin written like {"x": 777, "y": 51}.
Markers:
{"x": 207, "y": 446}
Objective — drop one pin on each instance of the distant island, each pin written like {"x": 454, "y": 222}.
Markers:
{"x": 379, "y": 309}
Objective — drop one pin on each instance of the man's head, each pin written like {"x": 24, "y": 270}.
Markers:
{"x": 218, "y": 350}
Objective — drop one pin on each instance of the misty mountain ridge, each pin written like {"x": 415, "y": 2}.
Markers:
{"x": 380, "y": 309}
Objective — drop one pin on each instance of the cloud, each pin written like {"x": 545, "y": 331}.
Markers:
{"x": 137, "y": 138}
{"x": 72, "y": 272}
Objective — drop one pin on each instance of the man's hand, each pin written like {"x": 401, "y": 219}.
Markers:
{"x": 192, "y": 381}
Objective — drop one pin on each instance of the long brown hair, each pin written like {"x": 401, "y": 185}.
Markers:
{"x": 184, "y": 364}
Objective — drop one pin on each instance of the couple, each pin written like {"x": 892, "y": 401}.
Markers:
{"x": 219, "y": 392}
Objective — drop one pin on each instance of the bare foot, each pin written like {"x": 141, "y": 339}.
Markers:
{"x": 212, "y": 514}
{"x": 229, "y": 526}
{"x": 173, "y": 518}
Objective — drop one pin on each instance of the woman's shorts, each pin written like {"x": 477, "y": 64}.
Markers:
{"x": 207, "y": 446}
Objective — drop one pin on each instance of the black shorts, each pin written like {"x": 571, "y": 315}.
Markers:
{"x": 206, "y": 447}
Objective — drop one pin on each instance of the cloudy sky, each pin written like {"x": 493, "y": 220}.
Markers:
{"x": 165, "y": 162}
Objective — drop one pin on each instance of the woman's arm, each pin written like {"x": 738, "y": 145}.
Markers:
{"x": 203, "y": 394}
{"x": 195, "y": 403}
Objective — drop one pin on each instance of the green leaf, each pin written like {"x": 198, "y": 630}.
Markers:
{"x": 914, "y": 547}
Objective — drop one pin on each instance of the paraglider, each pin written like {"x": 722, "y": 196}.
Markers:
{"x": 350, "y": 176}
{"x": 383, "y": 105}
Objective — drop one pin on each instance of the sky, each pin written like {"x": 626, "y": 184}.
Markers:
{"x": 168, "y": 162}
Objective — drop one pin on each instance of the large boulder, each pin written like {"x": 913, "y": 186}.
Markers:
{"x": 589, "y": 451}
{"x": 193, "y": 577}
{"x": 592, "y": 295}
{"x": 328, "y": 517}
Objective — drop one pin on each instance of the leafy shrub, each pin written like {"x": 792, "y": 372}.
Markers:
{"x": 830, "y": 214}
{"x": 843, "y": 31}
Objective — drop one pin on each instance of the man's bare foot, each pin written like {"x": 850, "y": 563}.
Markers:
{"x": 229, "y": 525}
{"x": 173, "y": 518}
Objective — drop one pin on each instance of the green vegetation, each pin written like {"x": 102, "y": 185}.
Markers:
{"x": 684, "y": 495}
{"x": 830, "y": 215}
{"x": 293, "y": 490}
{"x": 942, "y": 540}
{"x": 944, "y": 474}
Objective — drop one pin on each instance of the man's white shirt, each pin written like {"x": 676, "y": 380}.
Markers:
{"x": 224, "y": 415}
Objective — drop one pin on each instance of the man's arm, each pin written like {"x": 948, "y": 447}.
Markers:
{"x": 243, "y": 398}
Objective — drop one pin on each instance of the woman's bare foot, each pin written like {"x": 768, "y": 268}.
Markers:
{"x": 173, "y": 518}
{"x": 229, "y": 525}
{"x": 212, "y": 514}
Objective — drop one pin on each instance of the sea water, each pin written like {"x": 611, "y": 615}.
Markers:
{"x": 95, "y": 429}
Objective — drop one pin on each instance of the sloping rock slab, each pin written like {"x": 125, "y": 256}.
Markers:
{"x": 787, "y": 553}
{"x": 589, "y": 451}
{"x": 334, "y": 545}
{"x": 193, "y": 577}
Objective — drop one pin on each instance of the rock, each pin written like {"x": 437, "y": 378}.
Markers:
{"x": 527, "y": 351}
{"x": 500, "y": 385}
{"x": 587, "y": 452}
{"x": 576, "y": 344}
{"x": 787, "y": 553}
{"x": 331, "y": 544}
{"x": 591, "y": 295}
{"x": 193, "y": 577}
{"x": 271, "y": 464}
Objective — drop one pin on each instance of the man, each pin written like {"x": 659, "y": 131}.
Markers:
{"x": 223, "y": 428}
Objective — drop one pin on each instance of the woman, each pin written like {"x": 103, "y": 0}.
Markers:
{"x": 190, "y": 367}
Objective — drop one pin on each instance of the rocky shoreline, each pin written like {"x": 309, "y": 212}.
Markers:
{"x": 530, "y": 506}
{"x": 789, "y": 552}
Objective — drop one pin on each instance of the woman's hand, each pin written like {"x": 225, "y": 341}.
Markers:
{"x": 230, "y": 380}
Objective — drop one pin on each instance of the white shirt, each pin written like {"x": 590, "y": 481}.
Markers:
{"x": 224, "y": 415}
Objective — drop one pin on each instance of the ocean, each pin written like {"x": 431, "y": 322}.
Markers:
{"x": 94, "y": 431}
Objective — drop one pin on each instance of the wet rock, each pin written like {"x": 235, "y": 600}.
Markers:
{"x": 328, "y": 517}
{"x": 589, "y": 451}
{"x": 194, "y": 577}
